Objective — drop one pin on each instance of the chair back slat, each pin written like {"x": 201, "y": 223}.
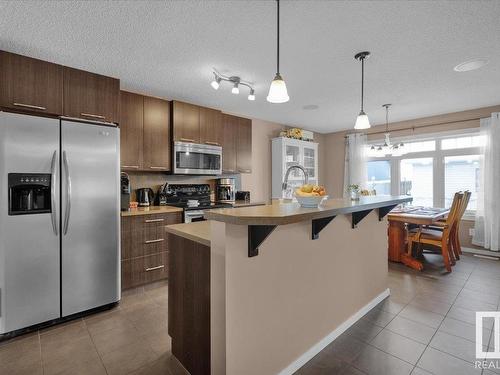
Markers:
{"x": 455, "y": 208}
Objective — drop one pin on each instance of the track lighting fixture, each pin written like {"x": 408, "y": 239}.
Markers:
{"x": 235, "y": 80}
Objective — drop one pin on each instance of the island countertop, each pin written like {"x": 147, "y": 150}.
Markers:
{"x": 288, "y": 213}
{"x": 198, "y": 231}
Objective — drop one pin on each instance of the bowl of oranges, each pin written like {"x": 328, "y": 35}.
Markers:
{"x": 310, "y": 196}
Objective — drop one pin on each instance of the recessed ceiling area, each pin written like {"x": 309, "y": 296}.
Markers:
{"x": 168, "y": 49}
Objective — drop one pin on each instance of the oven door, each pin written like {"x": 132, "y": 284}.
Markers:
{"x": 193, "y": 216}
{"x": 191, "y": 158}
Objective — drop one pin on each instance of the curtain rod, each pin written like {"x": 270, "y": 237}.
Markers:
{"x": 412, "y": 128}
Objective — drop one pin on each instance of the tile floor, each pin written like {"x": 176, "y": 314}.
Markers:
{"x": 426, "y": 326}
{"x": 129, "y": 339}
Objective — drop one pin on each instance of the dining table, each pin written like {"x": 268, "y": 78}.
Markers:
{"x": 401, "y": 219}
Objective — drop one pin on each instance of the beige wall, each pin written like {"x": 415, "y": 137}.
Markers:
{"x": 335, "y": 147}
{"x": 268, "y": 328}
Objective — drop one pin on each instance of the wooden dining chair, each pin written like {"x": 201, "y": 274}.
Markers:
{"x": 455, "y": 230}
{"x": 439, "y": 238}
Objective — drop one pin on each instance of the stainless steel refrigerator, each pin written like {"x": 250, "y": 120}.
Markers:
{"x": 59, "y": 218}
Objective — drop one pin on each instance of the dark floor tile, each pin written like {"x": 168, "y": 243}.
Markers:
{"x": 456, "y": 346}
{"x": 440, "y": 363}
{"x": 399, "y": 346}
{"x": 379, "y": 317}
{"x": 422, "y": 316}
{"x": 364, "y": 330}
{"x": 462, "y": 329}
{"x": 345, "y": 348}
{"x": 413, "y": 330}
{"x": 375, "y": 362}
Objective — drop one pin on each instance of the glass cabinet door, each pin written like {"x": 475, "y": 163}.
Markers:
{"x": 309, "y": 155}
{"x": 292, "y": 157}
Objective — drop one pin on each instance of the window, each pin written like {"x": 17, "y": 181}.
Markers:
{"x": 432, "y": 169}
{"x": 461, "y": 173}
{"x": 379, "y": 176}
{"x": 416, "y": 180}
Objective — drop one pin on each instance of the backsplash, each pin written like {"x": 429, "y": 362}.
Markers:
{"x": 155, "y": 180}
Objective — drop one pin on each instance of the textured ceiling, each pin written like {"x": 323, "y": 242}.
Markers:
{"x": 168, "y": 49}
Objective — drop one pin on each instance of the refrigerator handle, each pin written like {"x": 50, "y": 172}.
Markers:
{"x": 68, "y": 193}
{"x": 53, "y": 185}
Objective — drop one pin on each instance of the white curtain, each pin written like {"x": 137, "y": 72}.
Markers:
{"x": 355, "y": 161}
{"x": 487, "y": 226}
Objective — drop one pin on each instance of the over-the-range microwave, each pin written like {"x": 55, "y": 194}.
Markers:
{"x": 201, "y": 159}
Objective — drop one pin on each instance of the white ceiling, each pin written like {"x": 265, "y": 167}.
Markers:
{"x": 168, "y": 49}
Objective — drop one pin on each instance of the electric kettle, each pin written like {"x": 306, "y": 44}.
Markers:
{"x": 145, "y": 197}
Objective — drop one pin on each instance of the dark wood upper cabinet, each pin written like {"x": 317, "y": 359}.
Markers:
{"x": 156, "y": 134}
{"x": 186, "y": 122}
{"x": 28, "y": 84}
{"x": 230, "y": 133}
{"x": 244, "y": 146}
{"x": 210, "y": 126}
{"x": 90, "y": 96}
{"x": 131, "y": 130}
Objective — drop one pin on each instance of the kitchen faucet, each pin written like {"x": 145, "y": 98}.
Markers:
{"x": 284, "y": 186}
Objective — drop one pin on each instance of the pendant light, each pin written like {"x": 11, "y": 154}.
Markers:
{"x": 388, "y": 148}
{"x": 362, "y": 122}
{"x": 277, "y": 90}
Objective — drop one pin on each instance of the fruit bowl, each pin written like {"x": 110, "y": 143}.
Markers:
{"x": 310, "y": 201}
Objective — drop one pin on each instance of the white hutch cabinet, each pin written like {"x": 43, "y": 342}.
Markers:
{"x": 287, "y": 152}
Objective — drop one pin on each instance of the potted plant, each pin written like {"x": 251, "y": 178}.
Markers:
{"x": 354, "y": 190}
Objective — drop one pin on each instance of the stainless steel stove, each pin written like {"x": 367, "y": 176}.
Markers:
{"x": 181, "y": 195}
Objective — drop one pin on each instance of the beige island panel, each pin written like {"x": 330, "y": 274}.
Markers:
{"x": 273, "y": 312}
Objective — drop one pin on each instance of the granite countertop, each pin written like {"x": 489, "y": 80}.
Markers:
{"x": 286, "y": 213}
{"x": 150, "y": 210}
{"x": 198, "y": 231}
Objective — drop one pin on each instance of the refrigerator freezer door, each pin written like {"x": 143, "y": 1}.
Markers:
{"x": 90, "y": 216}
{"x": 29, "y": 244}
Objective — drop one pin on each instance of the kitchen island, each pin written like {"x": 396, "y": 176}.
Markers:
{"x": 285, "y": 281}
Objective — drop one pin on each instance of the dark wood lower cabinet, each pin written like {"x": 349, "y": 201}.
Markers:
{"x": 189, "y": 303}
{"x": 145, "y": 250}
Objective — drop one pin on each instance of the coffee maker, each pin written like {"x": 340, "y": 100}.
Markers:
{"x": 225, "y": 190}
{"x": 125, "y": 191}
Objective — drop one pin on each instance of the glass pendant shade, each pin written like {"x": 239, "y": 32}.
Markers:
{"x": 277, "y": 91}
{"x": 362, "y": 121}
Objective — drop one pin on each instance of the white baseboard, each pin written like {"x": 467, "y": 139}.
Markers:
{"x": 315, "y": 349}
{"x": 490, "y": 253}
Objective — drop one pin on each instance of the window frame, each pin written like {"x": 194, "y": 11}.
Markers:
{"x": 438, "y": 155}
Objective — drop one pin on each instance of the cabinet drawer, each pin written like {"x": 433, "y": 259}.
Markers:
{"x": 143, "y": 270}
{"x": 155, "y": 267}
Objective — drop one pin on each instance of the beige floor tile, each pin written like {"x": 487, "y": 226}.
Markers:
{"x": 159, "y": 367}
{"x": 115, "y": 338}
{"x": 115, "y": 320}
{"x": 21, "y": 368}
{"x": 69, "y": 349}
{"x": 375, "y": 362}
{"x": 399, "y": 346}
{"x": 160, "y": 342}
{"x": 23, "y": 349}
{"x": 129, "y": 358}
{"x": 79, "y": 364}
{"x": 440, "y": 363}
{"x": 413, "y": 330}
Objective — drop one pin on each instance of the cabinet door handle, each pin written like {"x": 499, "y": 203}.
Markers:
{"x": 154, "y": 241}
{"x": 187, "y": 140}
{"x": 155, "y": 268}
{"x": 229, "y": 170}
{"x": 130, "y": 166}
{"x": 93, "y": 116}
{"x": 244, "y": 170}
{"x": 212, "y": 143}
{"x": 30, "y": 106}
{"x": 153, "y": 220}
{"x": 158, "y": 167}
